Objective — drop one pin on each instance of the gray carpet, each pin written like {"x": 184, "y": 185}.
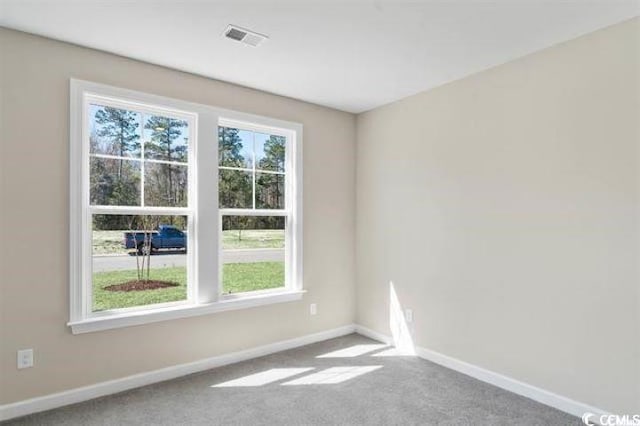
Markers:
{"x": 297, "y": 387}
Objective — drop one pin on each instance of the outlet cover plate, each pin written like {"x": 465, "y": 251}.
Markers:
{"x": 25, "y": 358}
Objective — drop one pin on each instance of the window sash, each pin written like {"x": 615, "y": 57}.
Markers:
{"x": 255, "y": 212}
{"x": 289, "y": 236}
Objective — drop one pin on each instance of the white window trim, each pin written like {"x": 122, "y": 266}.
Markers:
{"x": 204, "y": 277}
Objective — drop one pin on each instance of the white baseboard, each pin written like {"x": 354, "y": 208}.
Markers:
{"x": 367, "y": 332}
{"x": 545, "y": 397}
{"x": 47, "y": 402}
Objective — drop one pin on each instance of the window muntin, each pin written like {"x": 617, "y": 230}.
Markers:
{"x": 145, "y": 172}
{"x": 251, "y": 169}
{"x": 137, "y": 158}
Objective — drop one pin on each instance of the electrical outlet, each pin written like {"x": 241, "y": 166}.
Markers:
{"x": 313, "y": 309}
{"x": 408, "y": 315}
{"x": 25, "y": 358}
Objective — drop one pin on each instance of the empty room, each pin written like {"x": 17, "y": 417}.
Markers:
{"x": 320, "y": 212}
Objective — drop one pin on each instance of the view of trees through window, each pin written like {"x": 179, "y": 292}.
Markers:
{"x": 252, "y": 176}
{"x": 132, "y": 154}
{"x": 252, "y": 169}
{"x": 140, "y": 160}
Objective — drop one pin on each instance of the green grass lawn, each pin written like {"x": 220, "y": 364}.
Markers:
{"x": 110, "y": 242}
{"x": 253, "y": 238}
{"x": 240, "y": 277}
{"x": 237, "y": 278}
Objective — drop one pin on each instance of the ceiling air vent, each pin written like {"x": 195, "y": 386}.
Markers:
{"x": 250, "y": 38}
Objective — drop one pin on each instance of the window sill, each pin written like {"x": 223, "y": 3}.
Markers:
{"x": 175, "y": 312}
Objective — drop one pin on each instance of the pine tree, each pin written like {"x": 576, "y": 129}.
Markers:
{"x": 230, "y": 147}
{"x": 114, "y": 181}
{"x": 165, "y": 133}
{"x": 272, "y": 186}
{"x": 274, "y": 154}
{"x": 234, "y": 186}
{"x": 120, "y": 128}
{"x": 163, "y": 145}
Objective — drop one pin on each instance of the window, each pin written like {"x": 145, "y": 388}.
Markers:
{"x": 178, "y": 209}
{"x": 252, "y": 197}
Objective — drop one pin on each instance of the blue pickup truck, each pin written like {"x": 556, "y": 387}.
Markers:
{"x": 165, "y": 237}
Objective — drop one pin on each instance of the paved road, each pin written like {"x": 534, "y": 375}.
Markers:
{"x": 166, "y": 260}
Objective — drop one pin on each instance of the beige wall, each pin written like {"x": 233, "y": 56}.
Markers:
{"x": 504, "y": 208}
{"x": 34, "y": 162}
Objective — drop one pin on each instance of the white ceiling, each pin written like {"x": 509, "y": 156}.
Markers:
{"x": 349, "y": 55}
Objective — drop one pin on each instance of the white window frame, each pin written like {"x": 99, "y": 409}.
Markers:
{"x": 204, "y": 294}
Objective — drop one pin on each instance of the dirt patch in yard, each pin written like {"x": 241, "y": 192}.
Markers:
{"x": 140, "y": 285}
